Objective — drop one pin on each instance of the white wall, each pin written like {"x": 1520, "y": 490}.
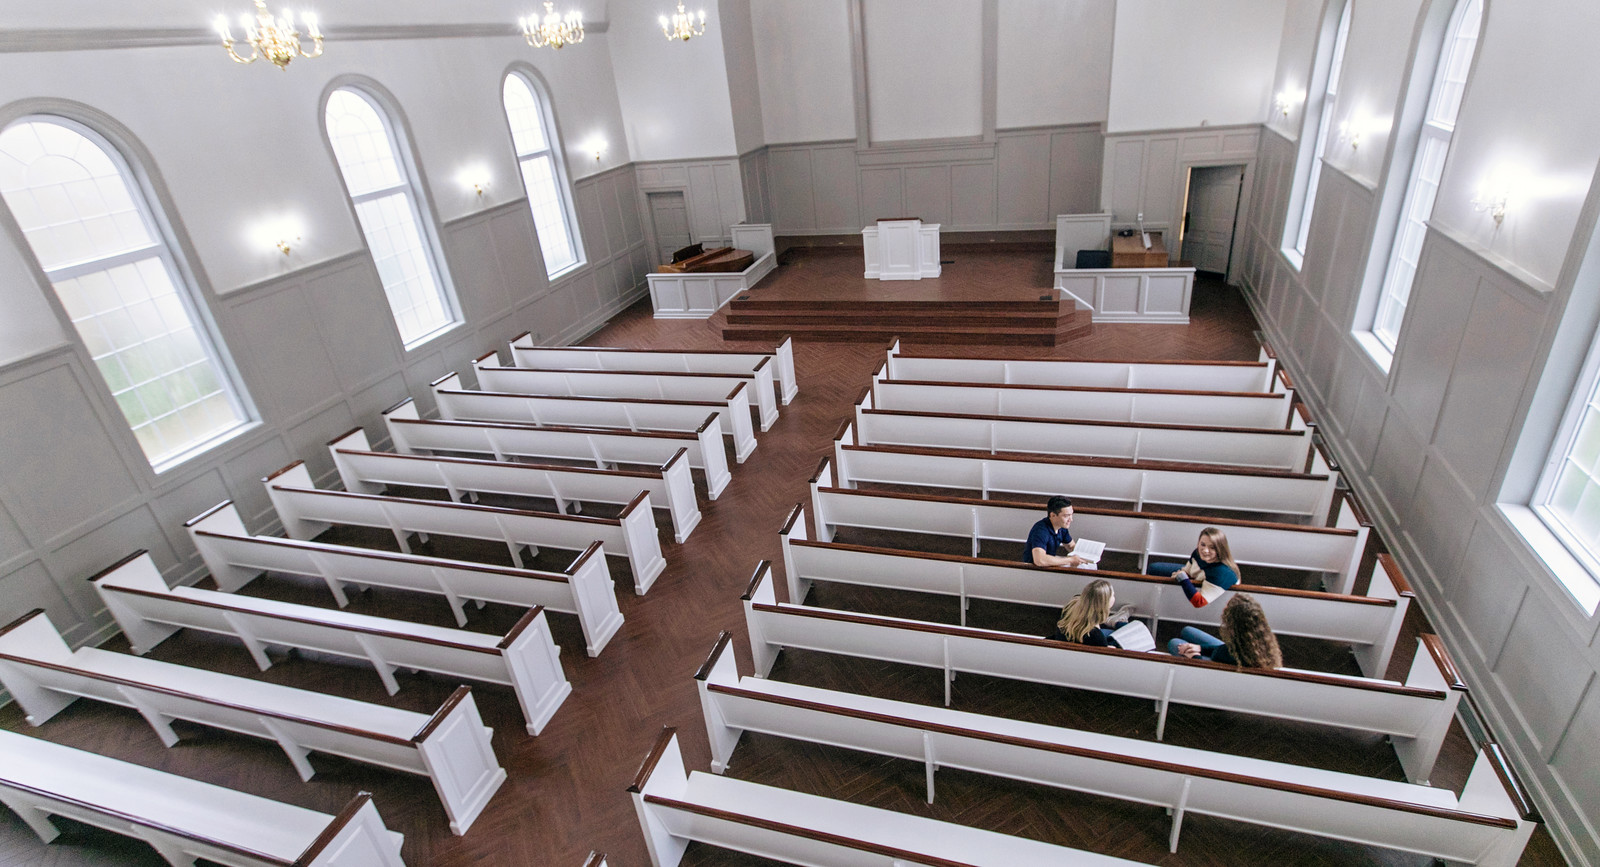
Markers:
{"x": 1376, "y": 55}
{"x": 802, "y": 52}
{"x": 1179, "y": 65}
{"x": 924, "y": 68}
{"x": 744, "y": 90}
{"x": 1054, "y": 62}
{"x": 1295, "y": 49}
{"x": 674, "y": 95}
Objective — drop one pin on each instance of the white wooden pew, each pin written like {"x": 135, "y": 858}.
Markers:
{"x": 775, "y": 368}
{"x": 736, "y": 391}
{"x": 366, "y": 471}
{"x": 525, "y": 658}
{"x": 1213, "y": 408}
{"x": 1341, "y": 551}
{"x": 1175, "y": 374}
{"x": 1237, "y": 489}
{"x": 1483, "y": 826}
{"x": 1416, "y": 714}
{"x": 184, "y": 819}
{"x": 1370, "y": 624}
{"x": 456, "y": 402}
{"x": 1267, "y": 448}
{"x": 307, "y": 511}
{"x": 412, "y": 434}
{"x": 676, "y": 808}
{"x": 450, "y": 746}
{"x": 235, "y": 557}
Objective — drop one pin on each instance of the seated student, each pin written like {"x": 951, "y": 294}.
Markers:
{"x": 1209, "y": 571}
{"x": 1247, "y": 641}
{"x": 1050, "y": 542}
{"x": 1086, "y": 618}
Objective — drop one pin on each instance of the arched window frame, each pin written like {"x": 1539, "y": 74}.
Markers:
{"x": 1443, "y": 59}
{"x": 174, "y": 255}
{"x": 555, "y": 151}
{"x": 1324, "y": 89}
{"x": 415, "y": 192}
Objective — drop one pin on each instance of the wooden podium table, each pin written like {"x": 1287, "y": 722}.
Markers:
{"x": 1130, "y": 252}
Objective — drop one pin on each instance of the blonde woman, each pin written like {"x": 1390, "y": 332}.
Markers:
{"x": 1209, "y": 571}
{"x": 1086, "y": 619}
{"x": 1247, "y": 641}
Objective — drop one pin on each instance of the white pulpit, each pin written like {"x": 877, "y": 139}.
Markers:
{"x": 901, "y": 250}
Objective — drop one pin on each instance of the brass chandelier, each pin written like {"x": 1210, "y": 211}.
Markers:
{"x": 272, "y": 38}
{"x": 682, "y": 25}
{"x": 552, "y": 29}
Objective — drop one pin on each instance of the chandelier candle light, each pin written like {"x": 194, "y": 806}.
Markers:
{"x": 682, "y": 25}
{"x": 552, "y": 30}
{"x": 272, "y": 38}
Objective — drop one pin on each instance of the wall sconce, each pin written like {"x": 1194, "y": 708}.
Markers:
{"x": 1351, "y": 133}
{"x": 1493, "y": 203}
{"x": 279, "y": 233}
{"x": 474, "y": 178}
{"x": 1287, "y": 100}
{"x": 596, "y": 146}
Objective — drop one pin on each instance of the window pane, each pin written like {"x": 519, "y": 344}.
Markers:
{"x": 527, "y": 123}
{"x": 77, "y": 206}
{"x": 387, "y": 211}
{"x": 542, "y": 176}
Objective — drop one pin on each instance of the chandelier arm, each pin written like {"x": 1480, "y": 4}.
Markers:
{"x": 254, "y": 54}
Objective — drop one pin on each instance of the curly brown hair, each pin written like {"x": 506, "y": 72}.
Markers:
{"x": 1249, "y": 638}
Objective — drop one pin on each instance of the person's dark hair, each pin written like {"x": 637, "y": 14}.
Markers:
{"x": 1249, "y": 638}
{"x": 1056, "y": 504}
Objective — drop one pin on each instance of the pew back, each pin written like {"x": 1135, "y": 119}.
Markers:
{"x": 411, "y": 434}
{"x": 741, "y": 393}
{"x": 1182, "y": 375}
{"x": 775, "y": 369}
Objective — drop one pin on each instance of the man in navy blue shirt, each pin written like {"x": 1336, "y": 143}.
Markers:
{"x": 1050, "y": 542}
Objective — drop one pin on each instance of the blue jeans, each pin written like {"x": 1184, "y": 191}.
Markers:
{"x": 1191, "y": 635}
{"x": 1163, "y": 569}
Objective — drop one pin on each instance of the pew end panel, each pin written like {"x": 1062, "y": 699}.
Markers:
{"x": 711, "y": 455}
{"x": 822, "y": 478}
{"x": 405, "y": 410}
{"x": 1431, "y": 668}
{"x": 357, "y": 837}
{"x": 681, "y": 502}
{"x": 788, "y": 385}
{"x": 220, "y": 520}
{"x": 454, "y": 745}
{"x": 294, "y": 475}
{"x": 352, "y": 440}
{"x": 1387, "y": 583}
{"x": 643, "y": 543}
{"x": 1492, "y": 789}
{"x": 661, "y": 775}
{"x": 759, "y": 592}
{"x": 794, "y": 529}
{"x": 718, "y": 669}
{"x": 33, "y": 637}
{"x": 594, "y": 598}
{"x": 137, "y": 571}
{"x": 449, "y": 382}
{"x": 534, "y": 661}
{"x": 740, "y": 427}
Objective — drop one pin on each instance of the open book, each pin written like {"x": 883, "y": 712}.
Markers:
{"x": 1134, "y": 635}
{"x": 1089, "y": 550}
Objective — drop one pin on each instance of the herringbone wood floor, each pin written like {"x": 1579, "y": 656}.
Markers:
{"x": 565, "y": 794}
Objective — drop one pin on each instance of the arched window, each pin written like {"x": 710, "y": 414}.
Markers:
{"x": 543, "y": 175}
{"x": 1308, "y": 170}
{"x": 112, "y": 266}
{"x": 380, "y": 185}
{"x": 1433, "y": 145}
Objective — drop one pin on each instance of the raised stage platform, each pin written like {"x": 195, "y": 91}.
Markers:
{"x": 987, "y": 294}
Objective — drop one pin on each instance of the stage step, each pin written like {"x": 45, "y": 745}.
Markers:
{"x": 1044, "y": 321}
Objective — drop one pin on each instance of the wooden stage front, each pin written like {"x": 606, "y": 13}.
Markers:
{"x": 999, "y": 294}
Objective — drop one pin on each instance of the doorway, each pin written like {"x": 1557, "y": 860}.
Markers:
{"x": 1211, "y": 215}
{"x": 670, "y": 218}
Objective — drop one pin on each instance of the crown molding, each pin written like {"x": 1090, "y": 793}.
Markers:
{"x": 102, "y": 39}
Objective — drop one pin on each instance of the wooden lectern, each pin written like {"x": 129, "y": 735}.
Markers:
{"x": 1130, "y": 252}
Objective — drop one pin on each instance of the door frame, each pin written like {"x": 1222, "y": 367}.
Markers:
{"x": 650, "y": 215}
{"x": 1236, "y": 247}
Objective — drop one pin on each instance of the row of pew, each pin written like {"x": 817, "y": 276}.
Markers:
{"x": 1024, "y": 429}
{"x": 576, "y": 427}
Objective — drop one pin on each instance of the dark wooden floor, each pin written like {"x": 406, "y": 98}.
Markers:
{"x": 565, "y": 794}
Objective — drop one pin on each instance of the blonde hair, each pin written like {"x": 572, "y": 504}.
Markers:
{"x": 1249, "y": 638}
{"x": 1086, "y": 610}
{"x": 1224, "y": 553}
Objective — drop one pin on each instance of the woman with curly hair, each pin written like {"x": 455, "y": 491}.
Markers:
{"x": 1085, "y": 618}
{"x": 1247, "y": 641}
